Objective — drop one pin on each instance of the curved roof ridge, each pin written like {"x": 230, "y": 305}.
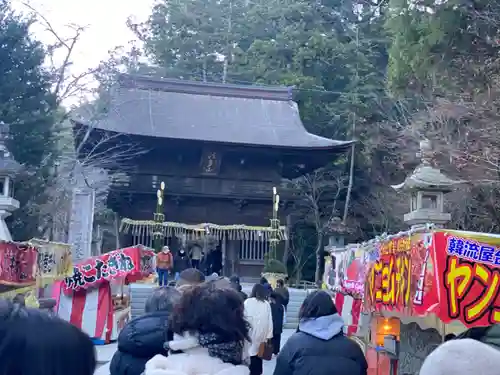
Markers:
{"x": 144, "y": 82}
{"x": 190, "y": 111}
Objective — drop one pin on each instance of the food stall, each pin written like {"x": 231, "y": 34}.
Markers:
{"x": 86, "y": 298}
{"x": 24, "y": 266}
{"x": 445, "y": 281}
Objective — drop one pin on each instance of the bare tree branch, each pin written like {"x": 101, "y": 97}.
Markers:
{"x": 65, "y": 84}
{"x": 317, "y": 202}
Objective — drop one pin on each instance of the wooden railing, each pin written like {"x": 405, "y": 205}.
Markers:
{"x": 197, "y": 186}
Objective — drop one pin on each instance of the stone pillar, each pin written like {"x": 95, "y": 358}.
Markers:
{"x": 5, "y": 213}
{"x": 81, "y": 223}
{"x": 6, "y": 183}
{"x": 9, "y": 168}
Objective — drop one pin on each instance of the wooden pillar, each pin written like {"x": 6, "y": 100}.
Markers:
{"x": 232, "y": 255}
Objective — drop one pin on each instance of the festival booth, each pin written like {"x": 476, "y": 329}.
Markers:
{"x": 437, "y": 278}
{"x": 26, "y": 266}
{"x": 86, "y": 298}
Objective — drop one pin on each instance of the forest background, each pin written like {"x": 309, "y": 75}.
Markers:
{"x": 386, "y": 73}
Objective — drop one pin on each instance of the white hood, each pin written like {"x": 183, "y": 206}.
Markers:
{"x": 194, "y": 360}
{"x": 462, "y": 357}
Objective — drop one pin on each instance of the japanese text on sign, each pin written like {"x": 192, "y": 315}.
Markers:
{"x": 100, "y": 269}
{"x": 396, "y": 245}
{"x": 460, "y": 278}
{"x": 390, "y": 280}
{"x": 474, "y": 251}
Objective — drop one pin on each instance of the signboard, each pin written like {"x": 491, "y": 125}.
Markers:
{"x": 389, "y": 279}
{"x": 54, "y": 260}
{"x": 424, "y": 297}
{"x": 467, "y": 268}
{"x": 18, "y": 264}
{"x": 345, "y": 270}
{"x": 402, "y": 276}
{"x": 132, "y": 263}
{"x": 353, "y": 281}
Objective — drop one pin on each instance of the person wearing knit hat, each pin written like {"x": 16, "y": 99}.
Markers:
{"x": 462, "y": 357}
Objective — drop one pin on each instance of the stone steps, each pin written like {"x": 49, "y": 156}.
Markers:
{"x": 139, "y": 293}
{"x": 297, "y": 296}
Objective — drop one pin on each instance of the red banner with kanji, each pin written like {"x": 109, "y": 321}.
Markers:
{"x": 130, "y": 264}
{"x": 389, "y": 278}
{"x": 400, "y": 278}
{"x": 18, "y": 264}
{"x": 467, "y": 273}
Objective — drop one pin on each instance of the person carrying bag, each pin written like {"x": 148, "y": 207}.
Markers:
{"x": 259, "y": 316}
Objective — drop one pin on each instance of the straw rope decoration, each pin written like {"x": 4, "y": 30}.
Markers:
{"x": 199, "y": 231}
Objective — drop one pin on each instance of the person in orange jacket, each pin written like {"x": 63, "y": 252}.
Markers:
{"x": 164, "y": 264}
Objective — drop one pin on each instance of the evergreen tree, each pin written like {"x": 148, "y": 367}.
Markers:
{"x": 446, "y": 53}
{"x": 27, "y": 106}
{"x": 333, "y": 52}
{"x": 192, "y": 39}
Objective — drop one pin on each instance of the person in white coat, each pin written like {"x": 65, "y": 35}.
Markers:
{"x": 210, "y": 332}
{"x": 258, "y": 314}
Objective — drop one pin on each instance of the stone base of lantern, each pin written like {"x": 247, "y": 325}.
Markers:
{"x": 7, "y": 205}
{"x": 422, "y": 217}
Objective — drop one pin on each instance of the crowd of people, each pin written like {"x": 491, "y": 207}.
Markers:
{"x": 169, "y": 265}
{"x": 211, "y": 327}
{"x": 198, "y": 327}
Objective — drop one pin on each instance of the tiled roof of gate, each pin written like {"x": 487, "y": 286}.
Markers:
{"x": 191, "y": 110}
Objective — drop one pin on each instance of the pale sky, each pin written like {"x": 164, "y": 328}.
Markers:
{"x": 105, "y": 20}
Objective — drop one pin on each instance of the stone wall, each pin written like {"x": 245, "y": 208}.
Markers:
{"x": 416, "y": 345}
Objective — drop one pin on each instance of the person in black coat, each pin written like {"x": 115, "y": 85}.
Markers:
{"x": 319, "y": 347}
{"x": 277, "y": 311}
{"x": 181, "y": 263}
{"x": 235, "y": 284}
{"x": 282, "y": 291}
{"x": 266, "y": 284}
{"x": 144, "y": 337}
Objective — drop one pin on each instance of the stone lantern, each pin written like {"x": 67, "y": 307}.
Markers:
{"x": 336, "y": 231}
{"x": 427, "y": 187}
{"x": 9, "y": 168}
